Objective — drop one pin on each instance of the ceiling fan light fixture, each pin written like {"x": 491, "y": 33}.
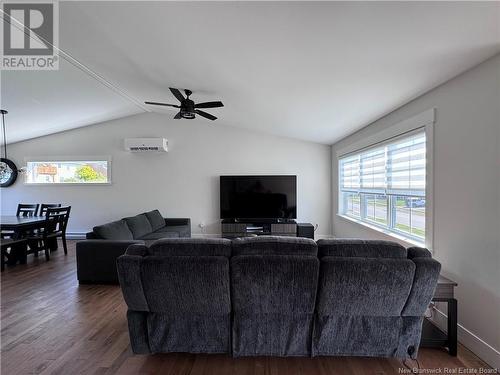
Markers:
{"x": 187, "y": 115}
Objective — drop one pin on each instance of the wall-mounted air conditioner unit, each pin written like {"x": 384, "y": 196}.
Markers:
{"x": 146, "y": 144}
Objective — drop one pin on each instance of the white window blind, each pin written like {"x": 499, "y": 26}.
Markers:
{"x": 373, "y": 171}
{"x": 394, "y": 168}
{"x": 406, "y": 166}
{"x": 350, "y": 174}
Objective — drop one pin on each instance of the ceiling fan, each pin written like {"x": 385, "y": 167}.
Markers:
{"x": 188, "y": 109}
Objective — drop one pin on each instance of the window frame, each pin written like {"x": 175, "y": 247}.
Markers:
{"x": 421, "y": 122}
{"x": 389, "y": 228}
{"x": 62, "y": 159}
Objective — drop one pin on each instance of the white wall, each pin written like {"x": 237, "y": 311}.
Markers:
{"x": 466, "y": 196}
{"x": 181, "y": 183}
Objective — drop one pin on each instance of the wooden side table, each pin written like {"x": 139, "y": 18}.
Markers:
{"x": 434, "y": 337}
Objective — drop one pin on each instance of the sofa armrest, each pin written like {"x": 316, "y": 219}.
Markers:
{"x": 137, "y": 249}
{"x": 96, "y": 260}
{"x": 424, "y": 284}
{"x": 91, "y": 236}
{"x": 129, "y": 276}
{"x": 186, "y": 222}
{"x": 177, "y": 221}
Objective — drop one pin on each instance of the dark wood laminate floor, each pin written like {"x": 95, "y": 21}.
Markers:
{"x": 51, "y": 325}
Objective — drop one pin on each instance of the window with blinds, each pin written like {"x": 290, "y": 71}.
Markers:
{"x": 385, "y": 185}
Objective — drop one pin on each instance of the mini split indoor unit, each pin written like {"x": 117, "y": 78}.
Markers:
{"x": 146, "y": 144}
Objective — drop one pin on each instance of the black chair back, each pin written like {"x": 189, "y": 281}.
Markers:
{"x": 44, "y": 206}
{"x": 56, "y": 219}
{"x": 27, "y": 210}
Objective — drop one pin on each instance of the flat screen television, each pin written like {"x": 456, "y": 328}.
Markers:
{"x": 258, "y": 197}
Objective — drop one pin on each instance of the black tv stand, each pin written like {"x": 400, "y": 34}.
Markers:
{"x": 258, "y": 227}
{"x": 261, "y": 221}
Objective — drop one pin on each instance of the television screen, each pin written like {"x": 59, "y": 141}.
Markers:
{"x": 258, "y": 197}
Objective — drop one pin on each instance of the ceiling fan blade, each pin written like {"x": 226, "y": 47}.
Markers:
{"x": 177, "y": 94}
{"x": 164, "y": 104}
{"x": 177, "y": 116}
{"x": 209, "y": 105}
{"x": 205, "y": 114}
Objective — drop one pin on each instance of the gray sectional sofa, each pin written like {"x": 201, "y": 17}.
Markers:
{"x": 96, "y": 256}
{"x": 278, "y": 296}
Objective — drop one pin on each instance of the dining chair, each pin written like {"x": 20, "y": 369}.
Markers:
{"x": 64, "y": 225}
{"x": 5, "y": 244}
{"x": 27, "y": 210}
{"x": 44, "y": 206}
{"x": 56, "y": 222}
{"x": 24, "y": 210}
{"x": 43, "y": 212}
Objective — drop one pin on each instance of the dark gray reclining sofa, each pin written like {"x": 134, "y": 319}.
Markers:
{"x": 96, "y": 256}
{"x": 277, "y": 296}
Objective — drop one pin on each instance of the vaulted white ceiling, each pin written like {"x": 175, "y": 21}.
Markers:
{"x": 312, "y": 71}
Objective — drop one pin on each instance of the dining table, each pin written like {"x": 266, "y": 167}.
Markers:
{"x": 17, "y": 227}
{"x": 20, "y": 224}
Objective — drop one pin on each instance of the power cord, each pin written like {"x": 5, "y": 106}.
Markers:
{"x": 429, "y": 312}
{"x": 412, "y": 369}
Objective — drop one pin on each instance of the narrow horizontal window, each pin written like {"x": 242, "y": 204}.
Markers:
{"x": 385, "y": 186}
{"x": 68, "y": 172}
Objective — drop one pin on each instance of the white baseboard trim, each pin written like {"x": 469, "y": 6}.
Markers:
{"x": 474, "y": 343}
{"x": 75, "y": 235}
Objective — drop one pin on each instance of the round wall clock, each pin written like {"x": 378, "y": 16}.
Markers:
{"x": 8, "y": 172}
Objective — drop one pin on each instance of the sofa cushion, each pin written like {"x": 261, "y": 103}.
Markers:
{"x": 180, "y": 230}
{"x": 155, "y": 219}
{"x": 274, "y": 245}
{"x": 273, "y": 299}
{"x": 364, "y": 286}
{"x": 159, "y": 235}
{"x": 116, "y": 230}
{"x": 191, "y": 247}
{"x": 139, "y": 225}
{"x": 360, "y": 248}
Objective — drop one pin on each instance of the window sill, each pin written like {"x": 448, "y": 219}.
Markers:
{"x": 408, "y": 242}
{"x": 68, "y": 184}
